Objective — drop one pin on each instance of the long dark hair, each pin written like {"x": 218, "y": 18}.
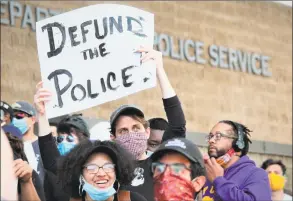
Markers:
{"x": 70, "y": 166}
{"x": 17, "y": 147}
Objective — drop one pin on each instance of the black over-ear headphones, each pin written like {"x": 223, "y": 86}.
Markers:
{"x": 240, "y": 136}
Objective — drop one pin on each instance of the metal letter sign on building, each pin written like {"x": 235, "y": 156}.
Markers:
{"x": 188, "y": 50}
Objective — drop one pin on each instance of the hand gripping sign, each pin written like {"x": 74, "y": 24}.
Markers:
{"x": 86, "y": 56}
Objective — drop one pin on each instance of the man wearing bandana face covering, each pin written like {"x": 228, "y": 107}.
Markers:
{"x": 231, "y": 174}
{"x": 130, "y": 129}
{"x": 178, "y": 170}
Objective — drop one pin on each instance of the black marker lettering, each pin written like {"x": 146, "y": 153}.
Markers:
{"x": 125, "y": 77}
{"x": 79, "y": 86}
{"x": 112, "y": 76}
{"x": 98, "y": 36}
{"x": 103, "y": 85}
{"x": 96, "y": 52}
{"x": 57, "y": 86}
{"x": 137, "y": 32}
{"x": 71, "y": 31}
{"x": 83, "y": 31}
{"x": 89, "y": 89}
{"x": 118, "y": 25}
{"x": 103, "y": 50}
{"x": 84, "y": 54}
{"x": 53, "y": 50}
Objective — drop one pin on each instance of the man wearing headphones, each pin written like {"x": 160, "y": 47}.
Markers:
{"x": 231, "y": 174}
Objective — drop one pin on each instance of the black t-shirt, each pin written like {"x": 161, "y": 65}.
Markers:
{"x": 53, "y": 189}
{"x": 143, "y": 181}
{"x": 40, "y": 167}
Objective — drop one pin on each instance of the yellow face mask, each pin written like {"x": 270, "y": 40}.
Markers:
{"x": 277, "y": 182}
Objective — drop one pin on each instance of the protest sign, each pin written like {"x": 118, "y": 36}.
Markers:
{"x": 86, "y": 56}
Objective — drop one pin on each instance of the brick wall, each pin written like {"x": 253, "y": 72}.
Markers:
{"x": 207, "y": 94}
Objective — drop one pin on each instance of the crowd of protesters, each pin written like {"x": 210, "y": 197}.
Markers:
{"x": 144, "y": 160}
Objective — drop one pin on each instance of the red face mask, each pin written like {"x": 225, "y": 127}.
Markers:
{"x": 224, "y": 160}
{"x": 168, "y": 186}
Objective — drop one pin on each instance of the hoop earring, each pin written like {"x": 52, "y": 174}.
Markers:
{"x": 81, "y": 183}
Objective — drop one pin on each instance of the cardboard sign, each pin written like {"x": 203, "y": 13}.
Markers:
{"x": 101, "y": 131}
{"x": 86, "y": 56}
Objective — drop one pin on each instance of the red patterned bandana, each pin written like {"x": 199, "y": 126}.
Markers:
{"x": 168, "y": 187}
{"x": 135, "y": 143}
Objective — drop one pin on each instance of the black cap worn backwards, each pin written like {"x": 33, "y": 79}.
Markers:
{"x": 182, "y": 146}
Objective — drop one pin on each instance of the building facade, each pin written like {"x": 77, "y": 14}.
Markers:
{"x": 225, "y": 60}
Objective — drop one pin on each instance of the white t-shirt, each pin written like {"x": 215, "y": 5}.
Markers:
{"x": 287, "y": 197}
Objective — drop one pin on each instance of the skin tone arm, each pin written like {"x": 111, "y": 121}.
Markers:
{"x": 24, "y": 172}
{"x": 174, "y": 113}
{"x": 165, "y": 85}
{"x": 41, "y": 97}
{"x": 8, "y": 179}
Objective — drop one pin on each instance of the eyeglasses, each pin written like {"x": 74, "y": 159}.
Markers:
{"x": 21, "y": 115}
{"x": 176, "y": 168}
{"x": 218, "y": 136}
{"x": 93, "y": 168}
{"x": 68, "y": 138}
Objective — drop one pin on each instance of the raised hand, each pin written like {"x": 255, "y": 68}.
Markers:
{"x": 213, "y": 169}
{"x": 151, "y": 54}
{"x": 41, "y": 97}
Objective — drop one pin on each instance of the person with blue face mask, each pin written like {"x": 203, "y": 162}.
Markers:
{"x": 24, "y": 118}
{"x": 71, "y": 130}
{"x": 65, "y": 143}
{"x": 94, "y": 170}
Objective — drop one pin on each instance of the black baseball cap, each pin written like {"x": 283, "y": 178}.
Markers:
{"x": 6, "y": 108}
{"x": 103, "y": 148}
{"x": 182, "y": 146}
{"x": 125, "y": 108}
{"x": 75, "y": 120}
{"x": 25, "y": 107}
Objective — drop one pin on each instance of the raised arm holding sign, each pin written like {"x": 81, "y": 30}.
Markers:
{"x": 86, "y": 56}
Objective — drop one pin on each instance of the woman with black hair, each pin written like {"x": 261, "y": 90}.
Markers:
{"x": 94, "y": 170}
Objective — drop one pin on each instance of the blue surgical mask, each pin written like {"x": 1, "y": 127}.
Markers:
{"x": 65, "y": 147}
{"x": 21, "y": 125}
{"x": 97, "y": 194}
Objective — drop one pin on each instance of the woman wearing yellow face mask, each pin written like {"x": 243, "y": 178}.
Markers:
{"x": 276, "y": 171}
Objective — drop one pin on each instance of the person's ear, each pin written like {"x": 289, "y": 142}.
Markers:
{"x": 148, "y": 132}
{"x": 285, "y": 178}
{"x": 34, "y": 119}
{"x": 198, "y": 183}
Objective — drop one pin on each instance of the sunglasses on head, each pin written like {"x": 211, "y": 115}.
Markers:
{"x": 21, "y": 115}
{"x": 68, "y": 138}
